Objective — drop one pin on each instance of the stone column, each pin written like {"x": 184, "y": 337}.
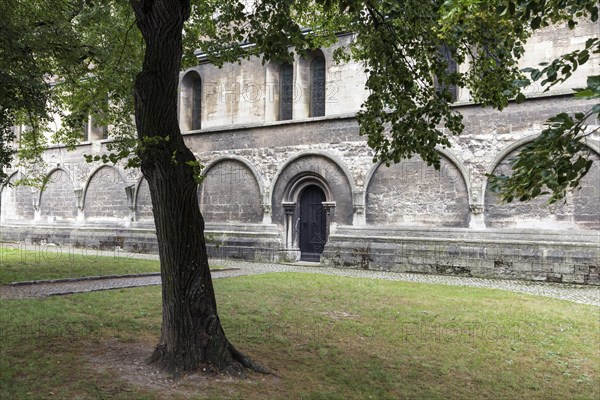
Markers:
{"x": 292, "y": 253}
{"x": 267, "y": 212}
{"x": 35, "y": 196}
{"x": 289, "y": 208}
{"x": 130, "y": 192}
{"x": 476, "y": 220}
{"x": 79, "y": 196}
{"x": 330, "y": 224}
{"x": 358, "y": 217}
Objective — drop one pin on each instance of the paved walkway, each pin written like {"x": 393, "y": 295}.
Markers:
{"x": 579, "y": 294}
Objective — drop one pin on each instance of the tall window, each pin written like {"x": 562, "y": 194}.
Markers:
{"x": 86, "y": 130}
{"x": 452, "y": 67}
{"x": 95, "y": 131}
{"x": 317, "y": 86}
{"x": 196, "y": 103}
{"x": 286, "y": 91}
{"x": 190, "y": 102}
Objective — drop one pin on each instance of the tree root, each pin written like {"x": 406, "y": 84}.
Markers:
{"x": 247, "y": 362}
{"x": 179, "y": 366}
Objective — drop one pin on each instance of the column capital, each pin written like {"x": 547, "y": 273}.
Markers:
{"x": 289, "y": 207}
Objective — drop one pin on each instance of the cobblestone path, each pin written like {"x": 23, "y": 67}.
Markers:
{"x": 579, "y": 294}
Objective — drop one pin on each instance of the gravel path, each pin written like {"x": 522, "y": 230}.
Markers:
{"x": 579, "y": 294}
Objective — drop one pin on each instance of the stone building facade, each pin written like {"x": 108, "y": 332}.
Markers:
{"x": 287, "y": 177}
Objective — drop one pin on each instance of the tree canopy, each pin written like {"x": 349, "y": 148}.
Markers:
{"x": 406, "y": 46}
{"x": 71, "y": 57}
{"x": 64, "y": 58}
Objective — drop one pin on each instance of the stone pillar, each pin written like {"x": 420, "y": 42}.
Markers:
{"x": 267, "y": 212}
{"x": 476, "y": 220}
{"x": 35, "y": 197}
{"x": 301, "y": 91}
{"x": 330, "y": 224}
{"x": 130, "y": 192}
{"x": 292, "y": 252}
{"x": 289, "y": 208}
{"x": 79, "y": 197}
{"x": 358, "y": 217}
{"x": 271, "y": 93}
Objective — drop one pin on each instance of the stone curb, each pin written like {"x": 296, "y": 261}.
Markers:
{"x": 93, "y": 290}
{"x": 98, "y": 278}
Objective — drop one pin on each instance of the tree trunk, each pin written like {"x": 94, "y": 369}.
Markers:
{"x": 191, "y": 334}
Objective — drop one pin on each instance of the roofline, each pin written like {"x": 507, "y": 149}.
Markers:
{"x": 203, "y": 57}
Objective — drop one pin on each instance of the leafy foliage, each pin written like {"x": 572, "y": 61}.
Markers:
{"x": 555, "y": 160}
{"x": 562, "y": 68}
{"x": 96, "y": 49}
{"x": 36, "y": 42}
{"x": 399, "y": 43}
{"x": 65, "y": 59}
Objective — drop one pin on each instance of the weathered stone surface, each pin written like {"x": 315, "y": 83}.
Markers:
{"x": 17, "y": 201}
{"x": 105, "y": 196}
{"x": 58, "y": 200}
{"x": 411, "y": 192}
{"x": 143, "y": 208}
{"x": 579, "y": 210}
{"x": 493, "y": 253}
{"x": 230, "y": 193}
{"x": 408, "y": 217}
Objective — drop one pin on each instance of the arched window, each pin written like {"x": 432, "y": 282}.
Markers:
{"x": 190, "y": 103}
{"x": 317, "y": 86}
{"x": 286, "y": 91}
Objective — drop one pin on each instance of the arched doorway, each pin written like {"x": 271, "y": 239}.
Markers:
{"x": 312, "y": 223}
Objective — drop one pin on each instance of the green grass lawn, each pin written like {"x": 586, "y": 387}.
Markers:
{"x": 18, "y": 265}
{"x": 51, "y": 263}
{"x": 326, "y": 337}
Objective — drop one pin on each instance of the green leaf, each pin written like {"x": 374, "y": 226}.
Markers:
{"x": 593, "y": 82}
{"x": 585, "y": 94}
{"x": 511, "y": 8}
{"x": 590, "y": 42}
{"x": 583, "y": 56}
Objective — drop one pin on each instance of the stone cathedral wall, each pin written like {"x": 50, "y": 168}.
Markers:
{"x": 405, "y": 217}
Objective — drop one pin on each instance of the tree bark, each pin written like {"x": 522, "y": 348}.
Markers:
{"x": 191, "y": 334}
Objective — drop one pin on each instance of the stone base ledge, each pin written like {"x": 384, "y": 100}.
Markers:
{"x": 572, "y": 257}
{"x": 591, "y": 237}
{"x": 552, "y": 256}
{"x": 253, "y": 242}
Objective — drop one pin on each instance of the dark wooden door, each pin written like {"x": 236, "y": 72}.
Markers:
{"x": 312, "y": 223}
